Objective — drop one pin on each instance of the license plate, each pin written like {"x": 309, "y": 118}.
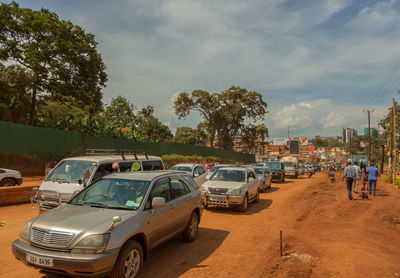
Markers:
{"x": 37, "y": 260}
{"x": 217, "y": 198}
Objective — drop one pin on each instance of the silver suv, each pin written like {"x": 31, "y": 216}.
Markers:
{"x": 10, "y": 177}
{"x": 109, "y": 227}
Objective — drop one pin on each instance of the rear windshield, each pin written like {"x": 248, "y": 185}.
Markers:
{"x": 259, "y": 171}
{"x": 182, "y": 168}
{"x": 215, "y": 168}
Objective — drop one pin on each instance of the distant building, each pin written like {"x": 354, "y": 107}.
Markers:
{"x": 373, "y": 131}
{"x": 347, "y": 134}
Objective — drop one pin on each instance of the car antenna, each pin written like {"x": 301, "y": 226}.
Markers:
{"x": 145, "y": 153}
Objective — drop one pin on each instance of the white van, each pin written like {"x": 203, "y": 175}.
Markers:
{"x": 74, "y": 173}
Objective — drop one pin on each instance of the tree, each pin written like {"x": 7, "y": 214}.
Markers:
{"x": 150, "y": 128}
{"x": 188, "y": 135}
{"x": 225, "y": 113}
{"x": 61, "y": 58}
{"x": 120, "y": 112}
{"x": 254, "y": 137}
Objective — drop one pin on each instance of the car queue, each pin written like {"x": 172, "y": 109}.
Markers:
{"x": 102, "y": 215}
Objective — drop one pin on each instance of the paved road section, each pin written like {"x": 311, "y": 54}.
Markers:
{"x": 324, "y": 235}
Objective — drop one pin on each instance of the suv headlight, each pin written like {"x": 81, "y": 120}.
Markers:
{"x": 24, "y": 234}
{"x": 236, "y": 190}
{"x": 92, "y": 244}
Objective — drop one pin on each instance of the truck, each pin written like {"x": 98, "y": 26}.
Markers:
{"x": 291, "y": 166}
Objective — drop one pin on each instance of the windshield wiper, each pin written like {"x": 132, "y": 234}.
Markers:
{"x": 94, "y": 204}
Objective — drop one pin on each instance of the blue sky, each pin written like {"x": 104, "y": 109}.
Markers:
{"x": 317, "y": 63}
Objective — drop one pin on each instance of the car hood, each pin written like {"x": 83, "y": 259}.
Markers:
{"x": 10, "y": 171}
{"x": 222, "y": 184}
{"x": 79, "y": 219}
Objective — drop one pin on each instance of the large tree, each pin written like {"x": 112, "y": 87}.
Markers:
{"x": 188, "y": 135}
{"x": 254, "y": 137}
{"x": 150, "y": 128}
{"x": 60, "y": 56}
{"x": 225, "y": 114}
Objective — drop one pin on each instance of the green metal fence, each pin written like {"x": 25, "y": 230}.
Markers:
{"x": 21, "y": 138}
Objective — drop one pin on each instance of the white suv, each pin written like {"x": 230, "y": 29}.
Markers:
{"x": 10, "y": 177}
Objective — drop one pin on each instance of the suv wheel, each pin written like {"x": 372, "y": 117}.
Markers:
{"x": 129, "y": 261}
{"x": 244, "y": 206}
{"x": 8, "y": 182}
{"x": 192, "y": 228}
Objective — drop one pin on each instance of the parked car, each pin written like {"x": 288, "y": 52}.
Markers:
{"x": 109, "y": 228}
{"x": 10, "y": 177}
{"x": 264, "y": 175}
{"x": 302, "y": 169}
{"x": 208, "y": 166}
{"x": 75, "y": 173}
{"x": 196, "y": 171}
{"x": 218, "y": 166}
{"x": 277, "y": 170}
{"x": 231, "y": 187}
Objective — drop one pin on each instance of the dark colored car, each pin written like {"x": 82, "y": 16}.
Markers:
{"x": 277, "y": 170}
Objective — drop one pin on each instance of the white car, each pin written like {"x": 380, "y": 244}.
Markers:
{"x": 196, "y": 171}
{"x": 231, "y": 187}
{"x": 10, "y": 177}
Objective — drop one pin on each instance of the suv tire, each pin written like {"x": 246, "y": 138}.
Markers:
{"x": 8, "y": 182}
{"x": 192, "y": 228}
{"x": 245, "y": 204}
{"x": 130, "y": 258}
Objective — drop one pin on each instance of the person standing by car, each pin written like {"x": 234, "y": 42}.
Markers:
{"x": 357, "y": 178}
{"x": 372, "y": 178}
{"x": 349, "y": 174}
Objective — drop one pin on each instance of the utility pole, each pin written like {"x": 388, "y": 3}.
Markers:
{"x": 382, "y": 158}
{"x": 288, "y": 132}
{"x": 394, "y": 137}
{"x": 369, "y": 133}
{"x": 390, "y": 144}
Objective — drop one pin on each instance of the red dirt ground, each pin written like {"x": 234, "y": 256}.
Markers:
{"x": 324, "y": 235}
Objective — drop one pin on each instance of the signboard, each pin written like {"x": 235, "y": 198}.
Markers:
{"x": 279, "y": 141}
{"x": 304, "y": 140}
{"x": 294, "y": 147}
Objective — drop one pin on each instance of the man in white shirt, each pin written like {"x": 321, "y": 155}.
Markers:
{"x": 357, "y": 178}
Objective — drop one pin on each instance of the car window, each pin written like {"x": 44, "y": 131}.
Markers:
{"x": 196, "y": 171}
{"x": 191, "y": 182}
{"x": 202, "y": 170}
{"x": 251, "y": 175}
{"x": 160, "y": 189}
{"x": 152, "y": 165}
{"x": 179, "y": 188}
{"x": 125, "y": 166}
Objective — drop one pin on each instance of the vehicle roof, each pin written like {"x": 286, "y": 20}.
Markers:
{"x": 187, "y": 165}
{"x": 234, "y": 168}
{"x": 143, "y": 175}
{"x": 112, "y": 158}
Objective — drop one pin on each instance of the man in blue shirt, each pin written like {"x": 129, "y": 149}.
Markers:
{"x": 350, "y": 175}
{"x": 372, "y": 177}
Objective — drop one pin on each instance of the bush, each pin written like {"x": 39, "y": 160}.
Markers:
{"x": 172, "y": 159}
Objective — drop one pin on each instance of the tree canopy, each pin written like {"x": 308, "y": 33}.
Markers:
{"x": 225, "y": 114}
{"x": 60, "y": 58}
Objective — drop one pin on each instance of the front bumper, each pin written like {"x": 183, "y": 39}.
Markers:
{"x": 86, "y": 265}
{"x": 225, "y": 200}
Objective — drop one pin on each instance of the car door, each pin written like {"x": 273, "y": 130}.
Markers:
{"x": 252, "y": 185}
{"x": 163, "y": 221}
{"x": 201, "y": 173}
{"x": 181, "y": 200}
{"x": 267, "y": 176}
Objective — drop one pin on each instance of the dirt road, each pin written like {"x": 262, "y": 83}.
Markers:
{"x": 324, "y": 235}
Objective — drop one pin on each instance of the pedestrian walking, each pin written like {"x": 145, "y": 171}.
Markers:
{"x": 349, "y": 174}
{"x": 372, "y": 178}
{"x": 357, "y": 178}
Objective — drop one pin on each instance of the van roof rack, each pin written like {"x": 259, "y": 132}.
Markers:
{"x": 121, "y": 152}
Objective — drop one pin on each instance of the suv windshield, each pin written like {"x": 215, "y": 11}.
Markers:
{"x": 215, "y": 168}
{"x": 289, "y": 164}
{"x": 228, "y": 175}
{"x": 259, "y": 171}
{"x": 113, "y": 194}
{"x": 70, "y": 170}
{"x": 273, "y": 164}
{"x": 182, "y": 168}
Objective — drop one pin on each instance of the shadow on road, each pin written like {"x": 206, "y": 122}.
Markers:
{"x": 176, "y": 257}
{"x": 272, "y": 189}
{"x": 254, "y": 207}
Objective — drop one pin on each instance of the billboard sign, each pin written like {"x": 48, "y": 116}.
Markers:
{"x": 294, "y": 147}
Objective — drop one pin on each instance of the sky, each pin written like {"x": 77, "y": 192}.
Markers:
{"x": 317, "y": 63}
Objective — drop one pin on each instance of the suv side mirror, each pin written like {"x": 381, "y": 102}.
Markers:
{"x": 158, "y": 202}
{"x": 208, "y": 177}
{"x": 250, "y": 179}
{"x": 196, "y": 175}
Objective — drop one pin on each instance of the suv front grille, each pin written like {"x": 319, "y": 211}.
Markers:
{"x": 218, "y": 190}
{"x": 51, "y": 238}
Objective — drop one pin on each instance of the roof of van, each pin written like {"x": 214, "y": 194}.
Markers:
{"x": 143, "y": 175}
{"x": 112, "y": 158}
